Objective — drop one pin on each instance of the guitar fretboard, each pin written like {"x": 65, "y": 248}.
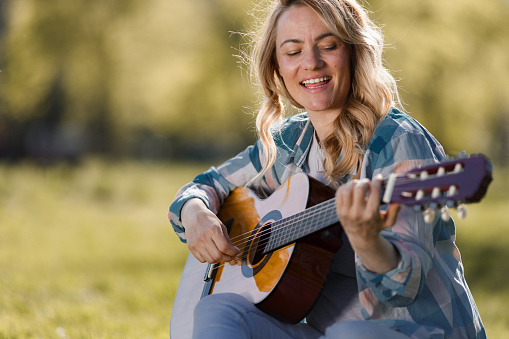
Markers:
{"x": 291, "y": 229}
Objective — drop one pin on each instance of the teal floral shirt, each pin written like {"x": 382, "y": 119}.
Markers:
{"x": 426, "y": 296}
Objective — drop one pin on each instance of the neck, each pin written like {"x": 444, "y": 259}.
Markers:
{"x": 323, "y": 122}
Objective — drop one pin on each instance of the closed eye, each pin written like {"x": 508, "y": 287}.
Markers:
{"x": 293, "y": 53}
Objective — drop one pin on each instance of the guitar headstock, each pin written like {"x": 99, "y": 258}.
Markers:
{"x": 451, "y": 183}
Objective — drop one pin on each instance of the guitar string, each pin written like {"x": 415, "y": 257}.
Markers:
{"x": 289, "y": 221}
{"x": 246, "y": 253}
{"x": 327, "y": 206}
{"x": 286, "y": 231}
{"x": 279, "y": 225}
{"x": 243, "y": 240}
{"x": 286, "y": 222}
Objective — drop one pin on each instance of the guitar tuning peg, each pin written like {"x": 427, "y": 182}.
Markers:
{"x": 462, "y": 211}
{"x": 458, "y": 168}
{"x": 429, "y": 215}
{"x": 445, "y": 214}
{"x": 420, "y": 194}
{"x": 452, "y": 191}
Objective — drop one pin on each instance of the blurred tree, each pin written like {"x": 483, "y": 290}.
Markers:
{"x": 60, "y": 47}
{"x": 159, "y": 78}
{"x": 126, "y": 66}
{"x": 451, "y": 59}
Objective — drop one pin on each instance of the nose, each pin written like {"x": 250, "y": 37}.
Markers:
{"x": 312, "y": 59}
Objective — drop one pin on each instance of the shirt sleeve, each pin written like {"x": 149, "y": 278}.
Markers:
{"x": 214, "y": 185}
{"x": 411, "y": 236}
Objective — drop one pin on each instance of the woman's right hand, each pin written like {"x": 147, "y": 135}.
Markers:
{"x": 207, "y": 237}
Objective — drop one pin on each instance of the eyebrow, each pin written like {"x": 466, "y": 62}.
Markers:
{"x": 297, "y": 41}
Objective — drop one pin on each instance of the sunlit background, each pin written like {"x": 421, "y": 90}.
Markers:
{"x": 108, "y": 107}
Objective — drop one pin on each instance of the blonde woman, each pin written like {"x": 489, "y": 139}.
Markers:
{"x": 394, "y": 276}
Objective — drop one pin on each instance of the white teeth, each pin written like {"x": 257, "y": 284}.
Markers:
{"x": 314, "y": 81}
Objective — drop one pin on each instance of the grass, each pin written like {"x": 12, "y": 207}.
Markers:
{"x": 87, "y": 252}
{"x": 485, "y": 251}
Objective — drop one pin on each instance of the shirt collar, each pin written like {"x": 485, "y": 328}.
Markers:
{"x": 303, "y": 144}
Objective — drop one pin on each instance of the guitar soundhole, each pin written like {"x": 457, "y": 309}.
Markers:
{"x": 256, "y": 255}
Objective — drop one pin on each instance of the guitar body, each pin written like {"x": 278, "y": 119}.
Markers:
{"x": 270, "y": 281}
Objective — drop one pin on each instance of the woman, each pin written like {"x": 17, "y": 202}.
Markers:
{"x": 395, "y": 276}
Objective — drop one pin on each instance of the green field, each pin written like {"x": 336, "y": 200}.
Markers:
{"x": 87, "y": 252}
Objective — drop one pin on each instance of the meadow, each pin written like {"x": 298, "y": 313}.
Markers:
{"x": 87, "y": 251}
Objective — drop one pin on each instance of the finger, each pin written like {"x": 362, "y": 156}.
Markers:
{"x": 390, "y": 216}
{"x": 359, "y": 198}
{"x": 344, "y": 195}
{"x": 196, "y": 253}
{"x": 359, "y": 192}
{"x": 230, "y": 249}
{"x": 203, "y": 248}
{"x": 373, "y": 202}
{"x": 225, "y": 250}
{"x": 211, "y": 254}
{"x": 222, "y": 248}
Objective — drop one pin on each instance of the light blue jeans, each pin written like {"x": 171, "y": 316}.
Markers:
{"x": 230, "y": 316}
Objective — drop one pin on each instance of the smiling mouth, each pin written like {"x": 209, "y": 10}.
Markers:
{"x": 316, "y": 83}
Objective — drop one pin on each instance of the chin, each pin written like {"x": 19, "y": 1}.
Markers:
{"x": 319, "y": 107}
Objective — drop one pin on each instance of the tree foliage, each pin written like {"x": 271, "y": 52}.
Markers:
{"x": 452, "y": 57}
{"x": 161, "y": 77}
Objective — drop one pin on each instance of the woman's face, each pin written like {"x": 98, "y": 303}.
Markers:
{"x": 313, "y": 62}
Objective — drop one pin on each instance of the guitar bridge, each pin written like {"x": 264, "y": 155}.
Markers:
{"x": 210, "y": 273}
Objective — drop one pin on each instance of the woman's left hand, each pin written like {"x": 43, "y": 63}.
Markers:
{"x": 358, "y": 209}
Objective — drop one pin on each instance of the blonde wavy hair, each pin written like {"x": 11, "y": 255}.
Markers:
{"x": 373, "y": 89}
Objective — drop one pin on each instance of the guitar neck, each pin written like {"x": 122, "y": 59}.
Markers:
{"x": 297, "y": 226}
{"x": 450, "y": 183}
{"x": 313, "y": 219}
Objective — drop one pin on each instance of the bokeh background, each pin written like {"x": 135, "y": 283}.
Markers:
{"x": 108, "y": 107}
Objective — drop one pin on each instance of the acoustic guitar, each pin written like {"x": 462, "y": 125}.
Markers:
{"x": 288, "y": 240}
